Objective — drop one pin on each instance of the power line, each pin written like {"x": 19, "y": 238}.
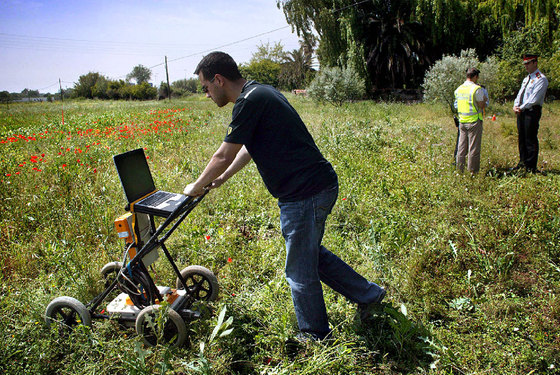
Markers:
{"x": 47, "y": 87}
{"x": 55, "y": 42}
{"x": 230, "y": 44}
{"x": 215, "y": 48}
{"x": 120, "y": 44}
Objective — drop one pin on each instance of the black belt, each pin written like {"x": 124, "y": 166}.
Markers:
{"x": 535, "y": 108}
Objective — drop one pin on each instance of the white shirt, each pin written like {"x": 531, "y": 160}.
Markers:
{"x": 535, "y": 85}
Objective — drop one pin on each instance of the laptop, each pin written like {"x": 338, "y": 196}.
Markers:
{"x": 139, "y": 188}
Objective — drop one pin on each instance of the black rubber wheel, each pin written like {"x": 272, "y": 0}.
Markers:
{"x": 140, "y": 292}
{"x": 68, "y": 312}
{"x": 110, "y": 271}
{"x": 202, "y": 284}
{"x": 173, "y": 331}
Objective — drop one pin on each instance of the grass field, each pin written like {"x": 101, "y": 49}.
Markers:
{"x": 471, "y": 264}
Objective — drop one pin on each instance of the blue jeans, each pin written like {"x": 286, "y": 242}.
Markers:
{"x": 308, "y": 263}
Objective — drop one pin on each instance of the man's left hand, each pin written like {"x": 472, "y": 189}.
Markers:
{"x": 193, "y": 191}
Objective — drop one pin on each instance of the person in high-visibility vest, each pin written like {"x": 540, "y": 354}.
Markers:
{"x": 470, "y": 100}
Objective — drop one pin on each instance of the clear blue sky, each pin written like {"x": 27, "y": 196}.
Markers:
{"x": 44, "y": 40}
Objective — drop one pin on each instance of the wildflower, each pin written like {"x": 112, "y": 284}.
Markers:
{"x": 229, "y": 260}
{"x": 207, "y": 238}
{"x": 343, "y": 199}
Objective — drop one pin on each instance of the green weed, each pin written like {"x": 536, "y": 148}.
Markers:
{"x": 474, "y": 259}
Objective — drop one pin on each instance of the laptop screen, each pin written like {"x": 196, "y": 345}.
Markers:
{"x": 134, "y": 174}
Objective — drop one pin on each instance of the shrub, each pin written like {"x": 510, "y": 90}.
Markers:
{"x": 446, "y": 75}
{"x": 501, "y": 78}
{"x": 551, "y": 69}
{"x": 143, "y": 91}
{"x": 337, "y": 85}
{"x": 184, "y": 87}
{"x": 264, "y": 71}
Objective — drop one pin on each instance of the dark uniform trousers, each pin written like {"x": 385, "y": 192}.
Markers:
{"x": 527, "y": 129}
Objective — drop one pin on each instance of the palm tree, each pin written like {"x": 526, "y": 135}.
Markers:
{"x": 395, "y": 46}
{"x": 296, "y": 67}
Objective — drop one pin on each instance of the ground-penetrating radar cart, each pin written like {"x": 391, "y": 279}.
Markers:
{"x": 139, "y": 302}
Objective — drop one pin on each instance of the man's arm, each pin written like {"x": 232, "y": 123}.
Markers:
{"x": 481, "y": 105}
{"x": 518, "y": 98}
{"x": 241, "y": 160}
{"x": 221, "y": 160}
{"x": 480, "y": 99}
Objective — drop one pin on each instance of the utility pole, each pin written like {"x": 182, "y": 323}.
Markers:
{"x": 62, "y": 100}
{"x": 167, "y": 75}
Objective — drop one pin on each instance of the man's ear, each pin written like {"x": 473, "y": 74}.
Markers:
{"x": 220, "y": 80}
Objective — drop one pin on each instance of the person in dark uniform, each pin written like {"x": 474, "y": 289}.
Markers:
{"x": 265, "y": 128}
{"x": 528, "y": 108}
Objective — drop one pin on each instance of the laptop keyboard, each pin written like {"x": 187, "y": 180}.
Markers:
{"x": 155, "y": 199}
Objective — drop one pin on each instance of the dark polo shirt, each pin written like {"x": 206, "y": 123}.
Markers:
{"x": 291, "y": 165}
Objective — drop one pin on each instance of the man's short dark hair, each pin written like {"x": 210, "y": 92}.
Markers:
{"x": 472, "y": 72}
{"x": 218, "y": 63}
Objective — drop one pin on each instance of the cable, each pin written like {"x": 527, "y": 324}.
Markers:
{"x": 93, "y": 48}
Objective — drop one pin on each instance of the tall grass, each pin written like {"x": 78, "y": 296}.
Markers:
{"x": 471, "y": 264}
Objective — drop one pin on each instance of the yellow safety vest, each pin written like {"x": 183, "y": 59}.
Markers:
{"x": 468, "y": 112}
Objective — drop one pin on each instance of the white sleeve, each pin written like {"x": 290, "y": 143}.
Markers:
{"x": 537, "y": 96}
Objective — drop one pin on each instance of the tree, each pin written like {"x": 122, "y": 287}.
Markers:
{"x": 5, "y": 97}
{"x": 143, "y": 91}
{"x": 264, "y": 71}
{"x": 392, "y": 42}
{"x": 395, "y": 46}
{"x": 84, "y": 88}
{"x": 163, "y": 91}
{"x": 115, "y": 90}
{"x": 377, "y": 38}
{"x": 140, "y": 74}
{"x": 99, "y": 90}
{"x": 27, "y": 93}
{"x": 297, "y": 69}
{"x": 265, "y": 64}
{"x": 273, "y": 53}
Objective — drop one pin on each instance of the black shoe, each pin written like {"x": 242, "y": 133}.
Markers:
{"x": 302, "y": 340}
{"x": 516, "y": 168}
{"x": 533, "y": 171}
{"x": 365, "y": 310}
